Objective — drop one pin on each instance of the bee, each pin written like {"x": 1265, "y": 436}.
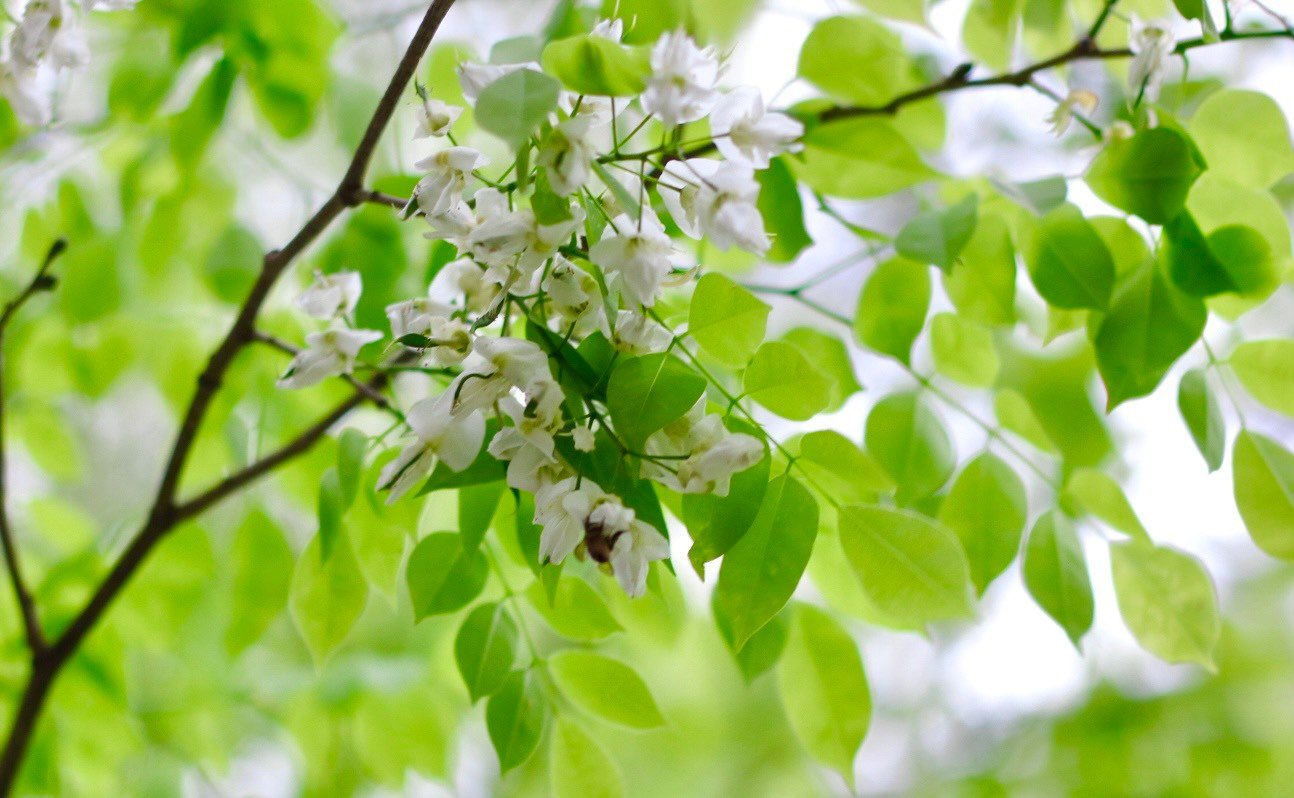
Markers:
{"x": 599, "y": 545}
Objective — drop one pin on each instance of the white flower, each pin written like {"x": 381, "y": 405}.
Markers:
{"x": 562, "y": 509}
{"x": 475, "y": 77}
{"x": 566, "y": 155}
{"x": 435, "y": 117}
{"x": 726, "y": 206}
{"x": 327, "y": 353}
{"x": 744, "y": 132}
{"x": 637, "y": 334}
{"x": 414, "y": 316}
{"x": 583, "y": 439}
{"x": 47, "y": 29}
{"x": 30, "y": 100}
{"x": 438, "y": 433}
{"x": 331, "y": 295}
{"x": 637, "y": 254}
{"x": 631, "y": 552}
{"x": 500, "y": 234}
{"x": 446, "y": 178}
{"x": 1152, "y": 44}
{"x": 681, "y": 86}
{"x": 679, "y": 188}
{"x": 528, "y": 444}
{"x": 462, "y": 281}
{"x": 495, "y": 366}
{"x": 575, "y": 296}
{"x": 1064, "y": 112}
{"x": 613, "y": 29}
{"x": 111, "y": 5}
{"x": 710, "y": 470}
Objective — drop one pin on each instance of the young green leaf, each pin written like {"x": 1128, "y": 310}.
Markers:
{"x": 1095, "y": 493}
{"x": 1151, "y": 323}
{"x": 1069, "y": 263}
{"x": 331, "y": 507}
{"x": 783, "y": 213}
{"x": 1266, "y": 369}
{"x": 513, "y": 106}
{"x": 485, "y": 649}
{"x": 726, "y": 320}
{"x": 987, "y": 509}
{"x": 605, "y": 687}
{"x": 515, "y": 718}
{"x": 716, "y": 523}
{"x": 1148, "y": 175}
{"x": 596, "y": 65}
{"x": 1167, "y": 600}
{"x": 824, "y": 689}
{"x": 575, "y": 611}
{"x": 261, "y": 562}
{"x": 444, "y": 576}
{"x": 351, "y": 446}
{"x": 1232, "y": 258}
{"x": 892, "y": 308}
{"x": 1244, "y": 137}
{"x": 938, "y": 237}
{"x": 829, "y": 354}
{"x": 841, "y": 468}
{"x": 856, "y": 59}
{"x": 981, "y": 284}
{"x": 763, "y": 649}
{"x": 1055, "y": 572}
{"x": 326, "y": 597}
{"x": 476, "y": 507}
{"x": 762, "y": 570}
{"x": 783, "y": 380}
{"x": 909, "y": 441}
{"x": 646, "y": 393}
{"x": 963, "y": 350}
{"x": 1203, "y": 416}
{"x": 858, "y": 159}
{"x": 1263, "y": 479}
{"x": 580, "y": 768}
{"x": 913, "y": 569}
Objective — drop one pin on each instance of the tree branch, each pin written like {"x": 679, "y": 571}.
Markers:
{"x": 42, "y": 281}
{"x": 165, "y": 512}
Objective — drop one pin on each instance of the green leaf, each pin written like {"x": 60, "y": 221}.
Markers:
{"x": 1167, "y": 600}
{"x": 326, "y": 597}
{"x": 233, "y": 264}
{"x": 762, "y": 570}
{"x": 485, "y": 649}
{"x": 193, "y": 127}
{"x": 1150, "y": 324}
{"x": 515, "y": 718}
{"x": 892, "y": 308}
{"x": 858, "y": 159}
{"x": 987, "y": 508}
{"x": 831, "y": 357}
{"x": 963, "y": 350}
{"x": 1095, "y": 493}
{"x": 783, "y": 380}
{"x": 575, "y": 610}
{"x": 909, "y": 441}
{"x": 1055, "y": 572}
{"x": 841, "y": 468}
{"x": 779, "y": 204}
{"x": 476, "y": 507}
{"x": 284, "y": 55}
{"x": 1203, "y": 417}
{"x": 443, "y": 575}
{"x": 1148, "y": 175}
{"x": 857, "y": 60}
{"x": 605, "y": 687}
{"x": 1232, "y": 258}
{"x": 331, "y": 507}
{"x": 1266, "y": 369}
{"x": 646, "y": 393}
{"x": 763, "y": 649}
{"x": 1244, "y": 137}
{"x": 938, "y": 237}
{"x": 580, "y": 768}
{"x": 913, "y": 569}
{"x": 726, "y": 319}
{"x": 824, "y": 689}
{"x": 261, "y": 562}
{"x": 1263, "y": 480}
{"x": 990, "y": 29}
{"x": 1069, "y": 263}
{"x": 351, "y": 446}
{"x": 981, "y": 284}
{"x": 513, "y": 106}
{"x": 598, "y": 66}
{"x": 716, "y": 523}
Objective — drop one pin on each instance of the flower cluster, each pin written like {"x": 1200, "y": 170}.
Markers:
{"x": 574, "y": 247}
{"x": 47, "y": 38}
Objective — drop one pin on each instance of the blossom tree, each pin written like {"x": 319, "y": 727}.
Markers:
{"x": 545, "y": 336}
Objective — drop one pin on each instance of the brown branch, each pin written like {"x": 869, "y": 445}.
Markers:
{"x": 26, "y": 604}
{"x": 166, "y": 512}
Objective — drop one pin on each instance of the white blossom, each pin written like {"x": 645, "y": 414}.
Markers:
{"x": 331, "y": 295}
{"x": 438, "y": 434}
{"x": 327, "y": 354}
{"x": 681, "y": 86}
{"x": 25, "y": 89}
{"x": 566, "y": 155}
{"x": 462, "y": 281}
{"x": 637, "y": 254}
{"x": 743, "y": 131}
{"x": 637, "y": 334}
{"x": 575, "y": 296}
{"x": 562, "y": 509}
{"x": 413, "y": 316}
{"x": 1063, "y": 114}
{"x": 495, "y": 366}
{"x": 582, "y": 438}
{"x": 632, "y": 551}
{"x": 436, "y": 117}
{"x": 1152, "y": 45}
{"x": 48, "y": 29}
{"x": 727, "y": 209}
{"x": 447, "y": 172}
{"x": 613, "y": 29}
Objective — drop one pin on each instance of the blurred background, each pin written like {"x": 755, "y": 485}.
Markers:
{"x": 215, "y": 692}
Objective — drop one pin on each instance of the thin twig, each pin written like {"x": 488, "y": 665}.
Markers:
{"x": 26, "y": 604}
